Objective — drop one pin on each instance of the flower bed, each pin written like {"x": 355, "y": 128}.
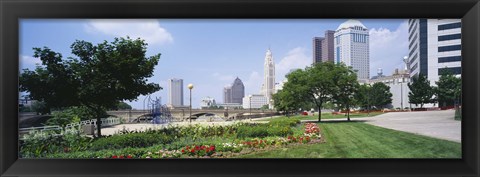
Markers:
{"x": 199, "y": 151}
{"x": 204, "y": 142}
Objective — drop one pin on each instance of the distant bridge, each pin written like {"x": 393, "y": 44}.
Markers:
{"x": 181, "y": 114}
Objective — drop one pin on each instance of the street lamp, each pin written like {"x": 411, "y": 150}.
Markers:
{"x": 407, "y": 68}
{"x": 190, "y": 87}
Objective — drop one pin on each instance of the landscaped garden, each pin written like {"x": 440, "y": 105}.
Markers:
{"x": 280, "y": 137}
{"x": 174, "y": 141}
{"x": 361, "y": 140}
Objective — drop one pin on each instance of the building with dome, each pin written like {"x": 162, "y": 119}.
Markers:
{"x": 351, "y": 46}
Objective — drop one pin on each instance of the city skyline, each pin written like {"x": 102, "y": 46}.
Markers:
{"x": 235, "y": 48}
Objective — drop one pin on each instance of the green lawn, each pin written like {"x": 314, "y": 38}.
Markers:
{"x": 331, "y": 116}
{"x": 360, "y": 140}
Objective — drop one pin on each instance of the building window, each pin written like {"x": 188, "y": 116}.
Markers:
{"x": 450, "y": 26}
{"x": 449, "y": 59}
{"x": 414, "y": 67}
{"x": 449, "y": 48}
{"x": 413, "y": 50}
{"x": 454, "y": 70}
{"x": 449, "y": 37}
{"x": 413, "y": 41}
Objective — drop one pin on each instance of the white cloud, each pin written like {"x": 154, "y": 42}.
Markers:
{"x": 295, "y": 59}
{"x": 387, "y": 48}
{"x": 28, "y": 60}
{"x": 223, "y": 78}
{"x": 254, "y": 83}
{"x": 149, "y": 30}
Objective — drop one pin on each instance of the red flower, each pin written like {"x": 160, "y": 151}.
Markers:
{"x": 197, "y": 148}
{"x": 114, "y": 157}
{"x": 212, "y": 148}
{"x": 183, "y": 150}
{"x": 192, "y": 151}
{"x": 129, "y": 156}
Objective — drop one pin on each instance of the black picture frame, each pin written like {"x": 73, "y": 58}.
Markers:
{"x": 13, "y": 10}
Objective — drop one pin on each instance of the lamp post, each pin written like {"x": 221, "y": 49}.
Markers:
{"x": 407, "y": 68}
{"x": 190, "y": 87}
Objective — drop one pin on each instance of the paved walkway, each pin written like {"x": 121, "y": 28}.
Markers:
{"x": 437, "y": 124}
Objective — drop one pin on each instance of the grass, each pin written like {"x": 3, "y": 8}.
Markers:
{"x": 360, "y": 140}
{"x": 331, "y": 116}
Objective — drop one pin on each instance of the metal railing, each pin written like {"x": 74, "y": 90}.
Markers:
{"x": 110, "y": 121}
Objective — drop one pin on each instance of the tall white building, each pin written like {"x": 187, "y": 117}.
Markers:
{"x": 268, "y": 87}
{"x": 175, "y": 92}
{"x": 256, "y": 101}
{"x": 434, "y": 46}
{"x": 351, "y": 46}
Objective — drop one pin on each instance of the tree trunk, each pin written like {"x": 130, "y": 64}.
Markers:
{"x": 319, "y": 114}
{"x": 348, "y": 112}
{"x": 99, "y": 127}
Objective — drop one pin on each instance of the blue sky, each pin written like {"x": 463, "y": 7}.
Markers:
{"x": 211, "y": 53}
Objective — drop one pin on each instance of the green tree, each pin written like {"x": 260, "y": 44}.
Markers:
{"x": 285, "y": 100}
{"x": 380, "y": 95}
{"x": 363, "y": 96}
{"x": 264, "y": 107}
{"x": 346, "y": 85}
{"x": 448, "y": 89}
{"x": 320, "y": 84}
{"x": 317, "y": 85}
{"x": 98, "y": 77}
{"x": 122, "y": 106}
{"x": 420, "y": 91}
{"x": 40, "y": 108}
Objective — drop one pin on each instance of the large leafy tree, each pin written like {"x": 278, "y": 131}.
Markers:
{"x": 448, "y": 89}
{"x": 363, "y": 96}
{"x": 380, "y": 95}
{"x": 317, "y": 85}
{"x": 346, "y": 86}
{"x": 99, "y": 77}
{"x": 320, "y": 84}
{"x": 420, "y": 91}
{"x": 293, "y": 96}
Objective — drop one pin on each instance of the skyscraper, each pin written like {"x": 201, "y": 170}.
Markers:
{"x": 434, "y": 46}
{"x": 323, "y": 47}
{"x": 175, "y": 92}
{"x": 238, "y": 91}
{"x": 317, "y": 49}
{"x": 234, "y": 93}
{"x": 268, "y": 88}
{"x": 352, "y": 47}
{"x": 227, "y": 94}
{"x": 327, "y": 46}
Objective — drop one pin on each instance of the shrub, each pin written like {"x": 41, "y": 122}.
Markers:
{"x": 285, "y": 122}
{"x": 70, "y": 115}
{"x": 279, "y": 130}
{"x": 253, "y": 130}
{"x": 131, "y": 140}
{"x": 39, "y": 144}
